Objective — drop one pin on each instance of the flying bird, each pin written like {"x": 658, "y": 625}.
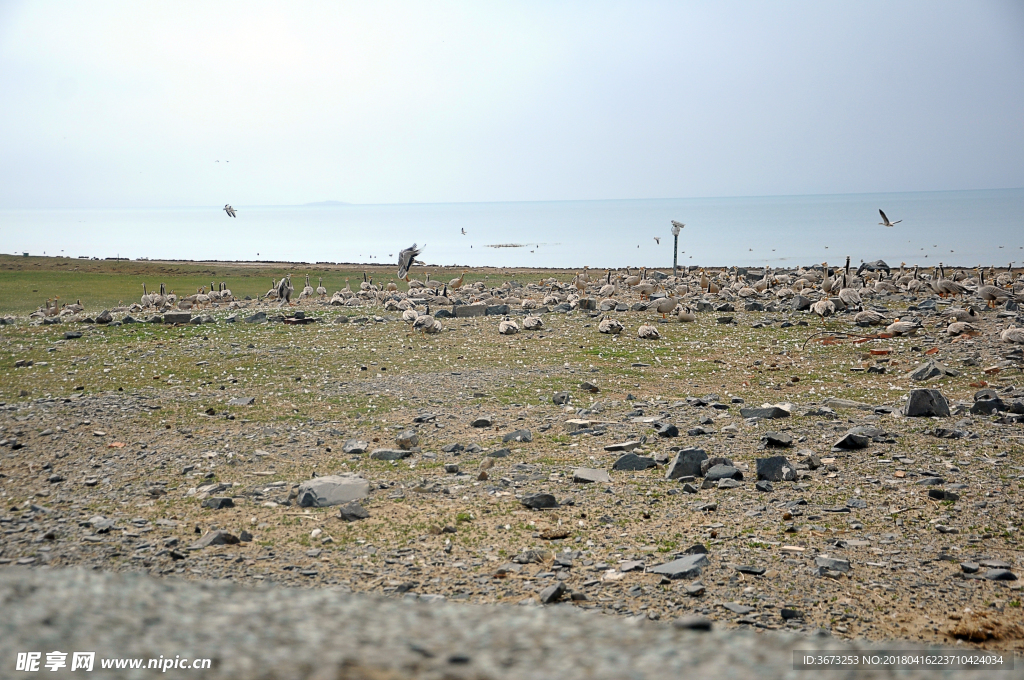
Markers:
{"x": 657, "y": 239}
{"x": 406, "y": 258}
{"x": 463, "y": 231}
{"x": 885, "y": 220}
{"x": 229, "y": 210}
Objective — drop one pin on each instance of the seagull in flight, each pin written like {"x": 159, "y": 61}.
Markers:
{"x": 463, "y": 231}
{"x": 885, "y": 220}
{"x": 229, "y": 210}
{"x": 406, "y": 259}
{"x": 657, "y": 239}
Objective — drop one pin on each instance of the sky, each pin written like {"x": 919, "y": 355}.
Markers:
{"x": 157, "y": 104}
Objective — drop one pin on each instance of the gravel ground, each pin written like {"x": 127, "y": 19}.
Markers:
{"x": 908, "y": 530}
{"x": 288, "y": 633}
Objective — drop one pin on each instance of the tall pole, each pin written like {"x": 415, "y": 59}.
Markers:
{"x": 675, "y": 254}
{"x": 676, "y": 228}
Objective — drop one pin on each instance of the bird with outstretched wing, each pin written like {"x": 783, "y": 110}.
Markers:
{"x": 406, "y": 259}
{"x": 885, "y": 220}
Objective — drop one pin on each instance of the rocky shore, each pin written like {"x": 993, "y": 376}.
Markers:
{"x": 744, "y": 469}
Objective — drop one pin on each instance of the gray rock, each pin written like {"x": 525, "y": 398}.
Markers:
{"x": 776, "y": 469}
{"x": 465, "y": 311}
{"x": 835, "y": 564}
{"x": 214, "y": 538}
{"x": 482, "y": 422}
{"x": 355, "y": 446}
{"x": 706, "y": 465}
{"x": 101, "y": 524}
{"x": 352, "y": 512}
{"x": 390, "y": 454}
{"x": 218, "y": 502}
{"x": 764, "y": 486}
{"x": 689, "y": 488}
{"x": 242, "y": 401}
{"x": 776, "y": 440}
{"x": 770, "y": 413}
{"x": 852, "y": 441}
{"x": 666, "y": 430}
{"x": 624, "y": 446}
{"x": 261, "y": 317}
{"x": 800, "y": 303}
{"x": 552, "y": 593}
{"x": 737, "y": 608}
{"x": 322, "y": 492}
{"x": 723, "y": 472}
{"x": 497, "y": 310}
{"x": 686, "y": 463}
{"x": 177, "y": 317}
{"x": 931, "y": 369}
{"x": 72, "y": 335}
{"x": 632, "y": 461}
{"x": 788, "y": 614}
{"x": 561, "y": 398}
{"x": 590, "y": 475}
{"x": 848, "y": 403}
{"x": 693, "y": 622}
{"x": 1000, "y": 575}
{"x": 407, "y": 439}
{"x": 930, "y": 481}
{"x": 943, "y": 495}
{"x": 688, "y": 566}
{"x": 925, "y": 403}
{"x": 857, "y": 503}
{"x": 539, "y": 501}
{"x": 994, "y": 564}
{"x": 589, "y": 387}
{"x": 729, "y": 484}
{"x": 104, "y": 317}
{"x": 518, "y": 436}
{"x": 988, "y": 407}
{"x": 970, "y": 567}
{"x": 499, "y": 453}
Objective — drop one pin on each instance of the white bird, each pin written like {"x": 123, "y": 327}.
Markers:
{"x": 823, "y": 308}
{"x": 320, "y": 290}
{"x": 285, "y": 290}
{"x": 508, "y": 327}
{"x": 665, "y": 305}
{"x": 427, "y": 324}
{"x": 229, "y": 210}
{"x": 648, "y": 332}
{"x": 533, "y": 323}
{"x": 1013, "y": 335}
{"x": 610, "y": 326}
{"x": 885, "y": 220}
{"x": 406, "y": 258}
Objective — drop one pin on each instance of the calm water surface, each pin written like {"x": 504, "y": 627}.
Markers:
{"x": 955, "y": 227}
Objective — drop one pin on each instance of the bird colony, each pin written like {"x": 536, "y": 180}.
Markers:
{"x": 813, "y": 449}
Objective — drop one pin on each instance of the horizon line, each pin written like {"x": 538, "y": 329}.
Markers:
{"x": 348, "y": 204}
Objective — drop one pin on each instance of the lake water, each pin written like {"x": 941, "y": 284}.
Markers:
{"x": 955, "y": 227}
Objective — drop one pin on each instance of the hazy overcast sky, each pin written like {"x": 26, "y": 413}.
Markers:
{"x": 131, "y": 103}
